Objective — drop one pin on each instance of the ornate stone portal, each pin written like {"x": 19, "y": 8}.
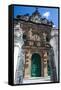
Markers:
{"x": 36, "y": 37}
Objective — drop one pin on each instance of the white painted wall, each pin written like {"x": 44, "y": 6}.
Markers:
{"x": 54, "y": 44}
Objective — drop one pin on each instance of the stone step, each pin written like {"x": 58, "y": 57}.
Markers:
{"x": 37, "y": 80}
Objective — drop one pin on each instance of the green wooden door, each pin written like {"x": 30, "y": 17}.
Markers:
{"x": 36, "y": 65}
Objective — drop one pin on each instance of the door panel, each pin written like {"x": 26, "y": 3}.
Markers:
{"x": 36, "y": 65}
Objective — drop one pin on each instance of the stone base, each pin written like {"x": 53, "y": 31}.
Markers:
{"x": 36, "y": 80}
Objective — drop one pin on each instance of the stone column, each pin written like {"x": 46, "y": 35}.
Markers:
{"x": 45, "y": 65}
{"x": 27, "y": 65}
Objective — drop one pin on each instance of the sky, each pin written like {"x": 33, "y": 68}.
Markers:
{"x": 50, "y": 13}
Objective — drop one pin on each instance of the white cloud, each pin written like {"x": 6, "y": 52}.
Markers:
{"x": 54, "y": 26}
{"x": 46, "y": 14}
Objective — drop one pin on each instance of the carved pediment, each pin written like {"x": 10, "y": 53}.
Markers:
{"x": 35, "y": 17}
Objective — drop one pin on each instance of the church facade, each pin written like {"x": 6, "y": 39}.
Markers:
{"x": 35, "y": 59}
